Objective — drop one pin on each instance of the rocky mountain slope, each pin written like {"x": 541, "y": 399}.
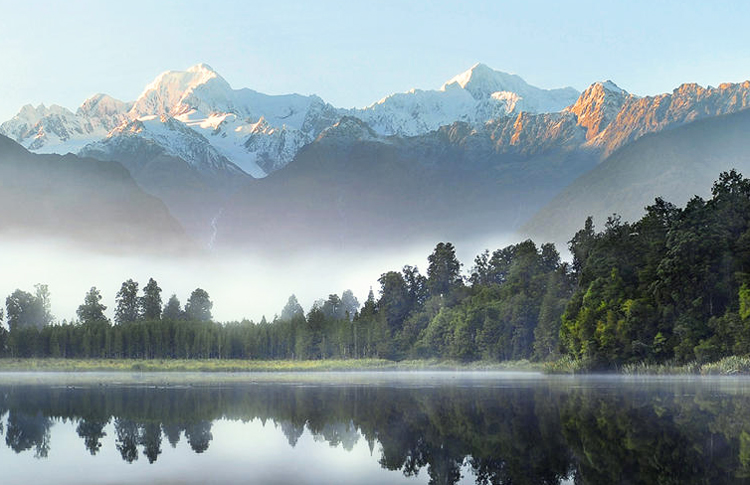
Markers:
{"x": 353, "y": 188}
{"x": 87, "y": 201}
{"x": 673, "y": 164}
{"x": 233, "y": 164}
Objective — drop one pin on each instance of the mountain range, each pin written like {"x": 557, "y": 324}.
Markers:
{"x": 483, "y": 153}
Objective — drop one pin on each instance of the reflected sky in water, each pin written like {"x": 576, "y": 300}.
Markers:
{"x": 373, "y": 428}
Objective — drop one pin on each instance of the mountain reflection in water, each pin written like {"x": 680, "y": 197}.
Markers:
{"x": 518, "y": 432}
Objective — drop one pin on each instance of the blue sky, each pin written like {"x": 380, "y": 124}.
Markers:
{"x": 353, "y": 53}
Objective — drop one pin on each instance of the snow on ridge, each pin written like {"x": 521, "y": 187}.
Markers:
{"x": 261, "y": 133}
{"x": 476, "y": 96}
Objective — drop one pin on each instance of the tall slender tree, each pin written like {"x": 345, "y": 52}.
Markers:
{"x": 443, "y": 270}
{"x": 150, "y": 302}
{"x": 127, "y": 307}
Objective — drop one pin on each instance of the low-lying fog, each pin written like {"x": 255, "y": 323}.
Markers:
{"x": 240, "y": 285}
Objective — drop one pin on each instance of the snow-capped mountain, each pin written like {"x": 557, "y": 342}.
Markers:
{"x": 174, "y": 137}
{"x": 486, "y": 143}
{"x": 478, "y": 95}
{"x": 256, "y": 132}
{"x": 193, "y": 114}
{"x": 261, "y": 133}
{"x": 56, "y": 129}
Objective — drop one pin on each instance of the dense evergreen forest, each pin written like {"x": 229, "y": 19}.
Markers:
{"x": 671, "y": 287}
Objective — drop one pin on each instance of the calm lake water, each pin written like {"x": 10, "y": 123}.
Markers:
{"x": 374, "y": 428}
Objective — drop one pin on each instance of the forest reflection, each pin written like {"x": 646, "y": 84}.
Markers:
{"x": 540, "y": 434}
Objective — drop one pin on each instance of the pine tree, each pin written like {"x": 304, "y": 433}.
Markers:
{"x": 173, "y": 309}
{"x": 127, "y": 303}
{"x": 150, "y": 302}
{"x": 198, "y": 307}
{"x": 443, "y": 270}
{"x": 291, "y": 309}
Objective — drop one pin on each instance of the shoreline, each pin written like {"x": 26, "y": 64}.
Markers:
{"x": 256, "y": 366}
{"x": 728, "y": 366}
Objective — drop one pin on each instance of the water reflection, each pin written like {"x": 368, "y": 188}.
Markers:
{"x": 526, "y": 433}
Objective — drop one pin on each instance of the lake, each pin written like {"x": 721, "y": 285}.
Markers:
{"x": 373, "y": 428}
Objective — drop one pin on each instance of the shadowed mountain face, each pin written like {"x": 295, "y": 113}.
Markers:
{"x": 194, "y": 197}
{"x": 674, "y": 165}
{"x": 82, "y": 200}
{"x": 475, "y": 159}
{"x": 354, "y": 188}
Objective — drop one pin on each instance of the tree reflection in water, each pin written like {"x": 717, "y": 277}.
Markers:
{"x": 535, "y": 434}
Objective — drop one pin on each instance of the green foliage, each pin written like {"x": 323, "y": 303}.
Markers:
{"x": 150, "y": 302}
{"x": 92, "y": 310}
{"x": 670, "y": 286}
{"x": 127, "y": 308}
{"x": 26, "y": 310}
{"x": 198, "y": 306}
{"x": 173, "y": 309}
{"x": 443, "y": 270}
{"x": 744, "y": 297}
{"x": 670, "y": 289}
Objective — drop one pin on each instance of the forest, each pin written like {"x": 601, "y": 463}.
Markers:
{"x": 673, "y": 286}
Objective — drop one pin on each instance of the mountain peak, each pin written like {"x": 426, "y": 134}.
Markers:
{"x": 481, "y": 81}
{"x": 102, "y": 105}
{"x": 610, "y": 86}
{"x": 203, "y": 68}
{"x": 598, "y": 106}
{"x": 166, "y": 94}
{"x": 484, "y": 83}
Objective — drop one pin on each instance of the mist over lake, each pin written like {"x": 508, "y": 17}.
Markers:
{"x": 433, "y": 427}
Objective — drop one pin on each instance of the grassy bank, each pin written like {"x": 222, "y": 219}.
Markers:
{"x": 733, "y": 365}
{"x": 565, "y": 365}
{"x": 215, "y": 365}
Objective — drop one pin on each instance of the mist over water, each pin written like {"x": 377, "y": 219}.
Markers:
{"x": 241, "y": 285}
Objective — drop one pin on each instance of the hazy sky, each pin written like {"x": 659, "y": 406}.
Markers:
{"x": 353, "y": 53}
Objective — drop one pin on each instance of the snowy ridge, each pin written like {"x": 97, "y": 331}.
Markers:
{"x": 59, "y": 130}
{"x": 256, "y": 132}
{"x": 196, "y": 115}
{"x": 476, "y": 96}
{"x": 260, "y": 133}
{"x": 174, "y": 137}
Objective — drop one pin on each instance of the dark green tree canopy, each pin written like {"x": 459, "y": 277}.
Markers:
{"x": 173, "y": 309}
{"x": 443, "y": 270}
{"x": 150, "y": 302}
{"x": 198, "y": 307}
{"x": 92, "y": 309}
{"x": 24, "y": 310}
{"x": 127, "y": 309}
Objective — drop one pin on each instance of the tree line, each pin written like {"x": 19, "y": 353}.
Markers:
{"x": 673, "y": 286}
{"x": 494, "y": 313}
